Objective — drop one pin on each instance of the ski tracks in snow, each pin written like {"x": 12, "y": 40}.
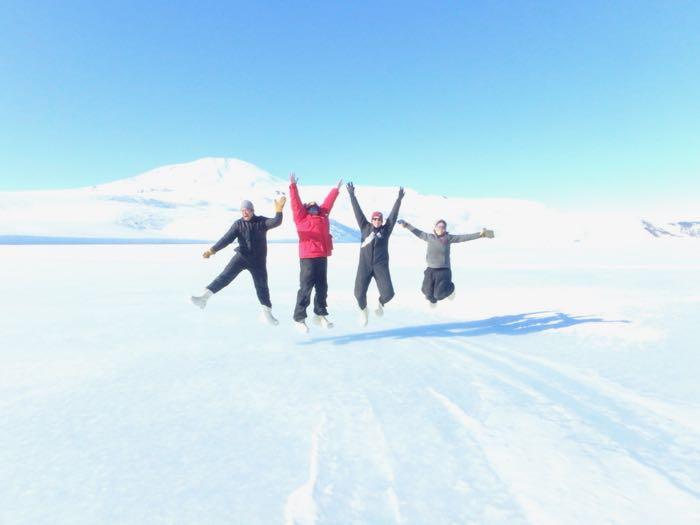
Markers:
{"x": 588, "y": 436}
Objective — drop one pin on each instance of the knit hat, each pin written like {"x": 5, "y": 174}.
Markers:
{"x": 246, "y": 204}
{"x": 376, "y": 214}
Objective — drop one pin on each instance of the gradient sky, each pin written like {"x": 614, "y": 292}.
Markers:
{"x": 566, "y": 103}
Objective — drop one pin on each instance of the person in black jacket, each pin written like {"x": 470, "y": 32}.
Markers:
{"x": 251, "y": 255}
{"x": 374, "y": 254}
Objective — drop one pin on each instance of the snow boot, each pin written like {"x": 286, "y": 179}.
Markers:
{"x": 301, "y": 326}
{"x": 452, "y": 296}
{"x": 201, "y": 300}
{"x": 323, "y": 321}
{"x": 364, "y": 317}
{"x": 379, "y": 310}
{"x": 267, "y": 317}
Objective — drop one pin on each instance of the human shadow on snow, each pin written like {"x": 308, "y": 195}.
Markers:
{"x": 519, "y": 324}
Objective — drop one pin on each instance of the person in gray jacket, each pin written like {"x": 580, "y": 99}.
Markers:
{"x": 437, "y": 278}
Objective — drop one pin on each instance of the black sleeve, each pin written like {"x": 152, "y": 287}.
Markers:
{"x": 359, "y": 216}
{"x": 230, "y": 236}
{"x": 391, "y": 220}
{"x": 274, "y": 221}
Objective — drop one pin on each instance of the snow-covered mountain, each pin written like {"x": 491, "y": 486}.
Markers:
{"x": 200, "y": 199}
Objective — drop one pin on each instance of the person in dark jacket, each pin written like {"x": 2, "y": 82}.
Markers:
{"x": 437, "y": 278}
{"x": 374, "y": 254}
{"x": 315, "y": 246}
{"x": 251, "y": 254}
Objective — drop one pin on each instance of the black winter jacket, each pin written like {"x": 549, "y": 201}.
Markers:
{"x": 251, "y": 235}
{"x": 375, "y": 241}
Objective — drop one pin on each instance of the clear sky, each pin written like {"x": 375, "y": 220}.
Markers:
{"x": 562, "y": 102}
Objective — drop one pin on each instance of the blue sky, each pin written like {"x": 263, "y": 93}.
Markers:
{"x": 567, "y": 103}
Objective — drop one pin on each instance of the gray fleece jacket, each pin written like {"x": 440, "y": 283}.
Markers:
{"x": 438, "y": 255}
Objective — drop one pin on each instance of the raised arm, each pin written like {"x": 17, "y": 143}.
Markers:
{"x": 298, "y": 209}
{"x": 277, "y": 219}
{"x": 359, "y": 216}
{"x": 391, "y": 220}
{"x": 330, "y": 198}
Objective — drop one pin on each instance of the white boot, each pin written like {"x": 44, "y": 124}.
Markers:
{"x": 201, "y": 300}
{"x": 301, "y": 326}
{"x": 379, "y": 310}
{"x": 364, "y": 317}
{"x": 267, "y": 317}
{"x": 323, "y": 321}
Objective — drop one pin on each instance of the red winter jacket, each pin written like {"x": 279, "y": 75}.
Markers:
{"x": 315, "y": 239}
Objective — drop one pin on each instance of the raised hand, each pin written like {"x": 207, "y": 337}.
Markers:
{"x": 487, "y": 233}
{"x": 340, "y": 183}
{"x": 279, "y": 203}
{"x": 293, "y": 179}
{"x": 401, "y": 192}
{"x": 208, "y": 253}
{"x": 402, "y": 223}
{"x": 351, "y": 188}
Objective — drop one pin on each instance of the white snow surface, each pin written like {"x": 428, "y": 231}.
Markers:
{"x": 200, "y": 199}
{"x": 560, "y": 386}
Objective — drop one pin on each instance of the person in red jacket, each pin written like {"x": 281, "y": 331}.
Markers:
{"x": 315, "y": 246}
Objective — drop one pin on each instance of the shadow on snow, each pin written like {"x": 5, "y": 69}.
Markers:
{"x": 519, "y": 324}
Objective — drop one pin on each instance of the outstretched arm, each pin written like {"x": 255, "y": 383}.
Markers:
{"x": 359, "y": 216}
{"x": 222, "y": 243}
{"x": 391, "y": 220}
{"x": 466, "y": 237}
{"x": 415, "y": 231}
{"x": 298, "y": 209}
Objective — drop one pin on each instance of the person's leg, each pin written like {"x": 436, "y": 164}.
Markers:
{"x": 383, "y": 279}
{"x": 259, "y": 273}
{"x": 233, "y": 268}
{"x": 306, "y": 283}
{"x": 362, "y": 280}
{"x": 321, "y": 285}
{"x": 443, "y": 285}
{"x": 428, "y": 285}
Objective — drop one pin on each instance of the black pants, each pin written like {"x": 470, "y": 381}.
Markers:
{"x": 313, "y": 273}
{"x": 437, "y": 284}
{"x": 257, "y": 268}
{"x": 382, "y": 277}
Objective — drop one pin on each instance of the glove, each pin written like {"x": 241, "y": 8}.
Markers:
{"x": 279, "y": 203}
{"x": 487, "y": 233}
{"x": 401, "y": 192}
{"x": 351, "y": 188}
{"x": 208, "y": 253}
{"x": 402, "y": 223}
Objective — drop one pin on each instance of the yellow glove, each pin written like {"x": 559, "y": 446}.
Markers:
{"x": 279, "y": 203}
{"x": 208, "y": 253}
{"x": 487, "y": 233}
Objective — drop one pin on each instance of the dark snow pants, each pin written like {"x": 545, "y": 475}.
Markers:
{"x": 258, "y": 269}
{"x": 313, "y": 273}
{"x": 382, "y": 277}
{"x": 437, "y": 284}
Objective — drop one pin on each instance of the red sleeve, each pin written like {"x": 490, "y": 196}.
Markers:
{"x": 330, "y": 200}
{"x": 298, "y": 209}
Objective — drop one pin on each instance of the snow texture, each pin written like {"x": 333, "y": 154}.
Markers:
{"x": 560, "y": 386}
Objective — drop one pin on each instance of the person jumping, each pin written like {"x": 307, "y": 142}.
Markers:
{"x": 374, "y": 254}
{"x": 251, "y": 254}
{"x": 437, "y": 277}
